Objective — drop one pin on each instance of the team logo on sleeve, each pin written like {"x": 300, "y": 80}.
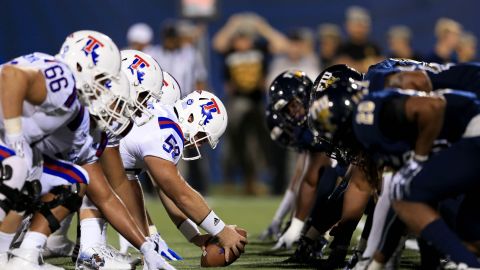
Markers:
{"x": 90, "y": 48}
{"x": 209, "y": 108}
{"x": 137, "y": 65}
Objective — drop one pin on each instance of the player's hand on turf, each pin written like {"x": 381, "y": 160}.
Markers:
{"x": 291, "y": 235}
{"x": 163, "y": 249}
{"x": 200, "y": 240}
{"x": 231, "y": 241}
{"x": 272, "y": 232}
{"x": 152, "y": 259}
{"x": 401, "y": 180}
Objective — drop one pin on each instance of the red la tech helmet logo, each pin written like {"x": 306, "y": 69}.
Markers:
{"x": 137, "y": 64}
{"x": 90, "y": 48}
{"x": 209, "y": 108}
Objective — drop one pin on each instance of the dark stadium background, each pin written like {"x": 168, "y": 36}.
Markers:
{"x": 41, "y": 25}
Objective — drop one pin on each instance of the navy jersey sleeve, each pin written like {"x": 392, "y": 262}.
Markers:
{"x": 462, "y": 76}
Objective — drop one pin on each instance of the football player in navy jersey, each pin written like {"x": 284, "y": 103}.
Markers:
{"x": 391, "y": 123}
{"x": 287, "y": 125}
{"x": 289, "y": 96}
{"x": 410, "y": 74}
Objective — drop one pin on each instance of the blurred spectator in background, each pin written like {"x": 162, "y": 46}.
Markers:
{"x": 330, "y": 40}
{"x": 358, "y": 51}
{"x": 139, "y": 37}
{"x": 180, "y": 59}
{"x": 245, "y": 68}
{"x": 447, "y": 32}
{"x": 299, "y": 55}
{"x": 399, "y": 43}
{"x": 467, "y": 48}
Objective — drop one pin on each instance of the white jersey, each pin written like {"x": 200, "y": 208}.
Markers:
{"x": 58, "y": 107}
{"x": 77, "y": 142}
{"x": 160, "y": 137}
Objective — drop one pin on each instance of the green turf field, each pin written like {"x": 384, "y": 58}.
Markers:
{"x": 251, "y": 213}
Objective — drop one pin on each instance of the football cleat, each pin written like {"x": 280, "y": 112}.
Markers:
{"x": 102, "y": 258}
{"x": 58, "y": 246}
{"x": 308, "y": 251}
{"x": 3, "y": 260}
{"x": 30, "y": 259}
{"x": 361, "y": 264}
{"x": 356, "y": 257}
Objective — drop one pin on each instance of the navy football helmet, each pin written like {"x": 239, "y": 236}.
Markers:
{"x": 335, "y": 94}
{"x": 289, "y": 95}
{"x": 280, "y": 130}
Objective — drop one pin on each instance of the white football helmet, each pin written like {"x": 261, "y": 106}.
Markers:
{"x": 201, "y": 116}
{"x": 145, "y": 77}
{"x": 114, "y": 116}
{"x": 171, "y": 90}
{"x": 94, "y": 60}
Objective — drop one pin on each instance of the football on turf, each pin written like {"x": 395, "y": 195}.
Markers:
{"x": 214, "y": 255}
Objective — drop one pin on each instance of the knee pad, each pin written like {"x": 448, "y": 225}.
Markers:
{"x": 67, "y": 197}
{"x": 14, "y": 172}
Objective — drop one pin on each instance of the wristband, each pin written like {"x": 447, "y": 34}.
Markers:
{"x": 212, "y": 224}
{"x": 189, "y": 229}
{"x": 13, "y": 125}
{"x": 420, "y": 158}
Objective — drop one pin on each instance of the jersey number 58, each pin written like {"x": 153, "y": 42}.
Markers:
{"x": 170, "y": 146}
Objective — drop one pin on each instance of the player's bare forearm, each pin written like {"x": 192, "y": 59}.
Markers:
{"x": 305, "y": 202}
{"x": 103, "y": 196}
{"x": 300, "y": 167}
{"x": 308, "y": 187}
{"x": 356, "y": 195}
{"x": 111, "y": 162}
{"x": 168, "y": 178}
{"x": 427, "y": 113}
{"x": 129, "y": 192}
{"x": 18, "y": 85}
{"x": 175, "y": 214}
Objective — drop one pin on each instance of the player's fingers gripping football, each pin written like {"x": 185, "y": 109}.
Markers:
{"x": 232, "y": 242}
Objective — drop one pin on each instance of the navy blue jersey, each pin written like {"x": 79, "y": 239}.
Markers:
{"x": 381, "y": 126}
{"x": 465, "y": 76}
{"x": 377, "y": 73}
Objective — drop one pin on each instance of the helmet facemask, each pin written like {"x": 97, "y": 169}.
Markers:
{"x": 295, "y": 112}
{"x": 195, "y": 136}
{"x": 140, "y": 110}
{"x": 109, "y": 109}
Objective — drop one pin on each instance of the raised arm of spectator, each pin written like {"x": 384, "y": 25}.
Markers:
{"x": 277, "y": 42}
{"x": 221, "y": 40}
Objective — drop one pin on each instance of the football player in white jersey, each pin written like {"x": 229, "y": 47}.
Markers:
{"x": 163, "y": 126}
{"x": 92, "y": 222}
{"x": 90, "y": 82}
{"x": 42, "y": 84}
{"x": 198, "y": 118}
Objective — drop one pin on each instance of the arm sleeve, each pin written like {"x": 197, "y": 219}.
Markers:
{"x": 462, "y": 76}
